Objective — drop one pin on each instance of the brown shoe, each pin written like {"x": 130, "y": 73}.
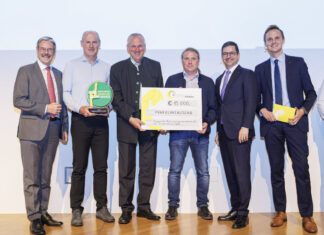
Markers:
{"x": 279, "y": 219}
{"x": 309, "y": 225}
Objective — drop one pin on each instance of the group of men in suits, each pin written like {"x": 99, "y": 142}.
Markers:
{"x": 237, "y": 95}
{"x": 282, "y": 80}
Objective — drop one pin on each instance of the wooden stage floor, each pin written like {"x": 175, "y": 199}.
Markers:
{"x": 185, "y": 224}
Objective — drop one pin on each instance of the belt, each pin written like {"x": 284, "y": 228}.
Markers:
{"x": 52, "y": 119}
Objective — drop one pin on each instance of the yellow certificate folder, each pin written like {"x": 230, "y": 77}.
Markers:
{"x": 283, "y": 113}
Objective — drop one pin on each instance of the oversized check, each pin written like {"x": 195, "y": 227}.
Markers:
{"x": 171, "y": 108}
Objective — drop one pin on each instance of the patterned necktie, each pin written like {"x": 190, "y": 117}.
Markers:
{"x": 277, "y": 81}
{"x": 50, "y": 87}
{"x": 225, "y": 83}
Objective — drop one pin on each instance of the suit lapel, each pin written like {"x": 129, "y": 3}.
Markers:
{"x": 267, "y": 72}
{"x": 217, "y": 87}
{"x": 289, "y": 77}
{"x": 58, "y": 85}
{"x": 233, "y": 78}
{"x": 39, "y": 76}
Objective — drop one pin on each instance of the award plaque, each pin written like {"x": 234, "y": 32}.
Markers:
{"x": 99, "y": 95}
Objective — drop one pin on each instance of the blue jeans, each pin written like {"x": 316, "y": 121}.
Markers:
{"x": 178, "y": 151}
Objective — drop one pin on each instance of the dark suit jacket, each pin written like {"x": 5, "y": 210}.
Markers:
{"x": 298, "y": 85}
{"x": 31, "y": 97}
{"x": 237, "y": 109}
{"x": 123, "y": 81}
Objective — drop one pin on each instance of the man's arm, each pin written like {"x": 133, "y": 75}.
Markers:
{"x": 310, "y": 94}
{"x": 250, "y": 99}
{"x": 320, "y": 101}
{"x": 122, "y": 108}
{"x": 21, "y": 96}
{"x": 67, "y": 81}
{"x": 261, "y": 110}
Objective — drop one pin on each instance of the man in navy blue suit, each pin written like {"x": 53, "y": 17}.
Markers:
{"x": 236, "y": 93}
{"x": 284, "y": 80}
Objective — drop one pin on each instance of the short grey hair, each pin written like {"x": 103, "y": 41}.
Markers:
{"x": 90, "y": 31}
{"x": 46, "y": 39}
{"x": 133, "y": 35}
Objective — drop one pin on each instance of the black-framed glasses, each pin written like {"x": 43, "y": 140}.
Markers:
{"x": 231, "y": 53}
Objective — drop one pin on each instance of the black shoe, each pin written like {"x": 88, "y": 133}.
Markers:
{"x": 36, "y": 227}
{"x": 77, "y": 217}
{"x": 125, "y": 217}
{"x": 172, "y": 213}
{"x": 49, "y": 221}
{"x": 148, "y": 214}
{"x": 230, "y": 216}
{"x": 241, "y": 221}
{"x": 204, "y": 213}
{"x": 104, "y": 214}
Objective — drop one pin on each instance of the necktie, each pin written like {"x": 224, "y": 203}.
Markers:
{"x": 225, "y": 83}
{"x": 277, "y": 80}
{"x": 50, "y": 87}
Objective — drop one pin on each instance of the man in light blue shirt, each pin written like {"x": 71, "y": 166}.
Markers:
{"x": 88, "y": 130}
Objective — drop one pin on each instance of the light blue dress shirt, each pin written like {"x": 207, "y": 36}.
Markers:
{"x": 77, "y": 77}
{"x": 282, "y": 69}
{"x": 191, "y": 82}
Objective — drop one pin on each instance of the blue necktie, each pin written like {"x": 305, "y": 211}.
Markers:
{"x": 225, "y": 83}
{"x": 277, "y": 81}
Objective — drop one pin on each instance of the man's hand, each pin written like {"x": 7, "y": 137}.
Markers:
{"x": 54, "y": 108}
{"x": 163, "y": 132}
{"x": 84, "y": 110}
{"x": 137, "y": 123}
{"x": 243, "y": 135}
{"x": 104, "y": 114}
{"x": 298, "y": 115}
{"x": 65, "y": 138}
{"x": 204, "y": 128}
{"x": 217, "y": 139}
{"x": 269, "y": 116}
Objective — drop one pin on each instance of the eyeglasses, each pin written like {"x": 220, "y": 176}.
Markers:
{"x": 43, "y": 49}
{"x": 232, "y": 53}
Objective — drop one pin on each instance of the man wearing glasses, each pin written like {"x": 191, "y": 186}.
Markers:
{"x": 236, "y": 91}
{"x": 38, "y": 93}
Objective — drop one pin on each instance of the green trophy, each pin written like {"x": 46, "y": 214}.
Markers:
{"x": 99, "y": 95}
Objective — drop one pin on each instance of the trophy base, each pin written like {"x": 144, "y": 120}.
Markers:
{"x": 98, "y": 110}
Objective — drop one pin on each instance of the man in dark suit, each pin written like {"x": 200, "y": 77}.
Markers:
{"x": 284, "y": 80}
{"x": 43, "y": 121}
{"x": 126, "y": 79}
{"x": 236, "y": 92}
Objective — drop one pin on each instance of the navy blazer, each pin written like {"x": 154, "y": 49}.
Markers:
{"x": 237, "y": 109}
{"x": 298, "y": 84}
{"x": 208, "y": 95}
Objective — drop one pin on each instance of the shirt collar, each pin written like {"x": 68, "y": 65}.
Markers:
{"x": 186, "y": 76}
{"x": 43, "y": 66}
{"x": 84, "y": 59}
{"x": 134, "y": 62}
{"x": 281, "y": 58}
{"x": 232, "y": 69}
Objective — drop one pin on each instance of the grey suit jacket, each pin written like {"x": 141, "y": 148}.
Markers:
{"x": 31, "y": 97}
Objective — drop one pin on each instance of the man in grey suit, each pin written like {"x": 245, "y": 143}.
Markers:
{"x": 38, "y": 93}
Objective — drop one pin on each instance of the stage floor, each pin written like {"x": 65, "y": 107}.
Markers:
{"x": 185, "y": 224}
